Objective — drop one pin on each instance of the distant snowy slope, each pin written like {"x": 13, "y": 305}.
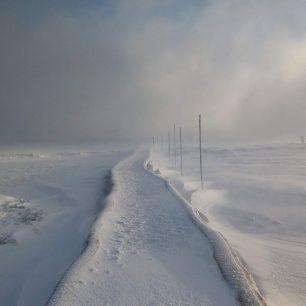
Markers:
{"x": 144, "y": 250}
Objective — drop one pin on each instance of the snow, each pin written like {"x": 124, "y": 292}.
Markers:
{"x": 48, "y": 202}
{"x": 160, "y": 239}
{"x": 229, "y": 262}
{"x": 14, "y": 214}
{"x": 255, "y": 198}
{"x": 144, "y": 250}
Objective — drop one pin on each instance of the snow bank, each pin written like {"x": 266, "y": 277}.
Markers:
{"x": 228, "y": 260}
{"x": 255, "y": 197}
{"x": 45, "y": 234}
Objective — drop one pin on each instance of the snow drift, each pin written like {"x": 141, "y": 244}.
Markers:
{"x": 234, "y": 271}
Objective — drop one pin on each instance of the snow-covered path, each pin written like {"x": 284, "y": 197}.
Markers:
{"x": 48, "y": 204}
{"x": 255, "y": 197}
{"x": 145, "y": 250}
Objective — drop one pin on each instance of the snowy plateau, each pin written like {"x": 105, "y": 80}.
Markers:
{"x": 124, "y": 227}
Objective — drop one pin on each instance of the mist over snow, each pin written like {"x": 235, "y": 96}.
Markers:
{"x": 83, "y": 83}
{"x": 97, "y": 71}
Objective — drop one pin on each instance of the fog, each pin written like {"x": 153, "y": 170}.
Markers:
{"x": 121, "y": 71}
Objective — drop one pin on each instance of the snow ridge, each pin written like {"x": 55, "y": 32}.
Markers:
{"x": 92, "y": 243}
{"x": 132, "y": 256}
{"x": 232, "y": 268}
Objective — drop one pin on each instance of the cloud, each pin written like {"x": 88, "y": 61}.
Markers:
{"x": 128, "y": 70}
{"x": 240, "y": 63}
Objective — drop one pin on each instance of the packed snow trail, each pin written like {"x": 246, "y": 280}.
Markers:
{"x": 254, "y": 196}
{"x": 144, "y": 250}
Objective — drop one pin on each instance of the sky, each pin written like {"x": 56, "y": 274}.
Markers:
{"x": 121, "y": 71}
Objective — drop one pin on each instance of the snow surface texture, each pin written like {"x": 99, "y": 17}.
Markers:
{"x": 144, "y": 250}
{"x": 14, "y": 214}
{"x": 232, "y": 268}
{"x": 48, "y": 203}
{"x": 255, "y": 197}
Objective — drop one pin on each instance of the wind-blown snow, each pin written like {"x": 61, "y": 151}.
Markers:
{"x": 48, "y": 203}
{"x": 229, "y": 263}
{"x": 255, "y": 197}
{"x": 144, "y": 250}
